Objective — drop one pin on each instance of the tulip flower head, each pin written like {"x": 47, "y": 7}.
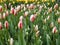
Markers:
{"x": 36, "y": 28}
{"x": 54, "y": 30}
{"x": 21, "y": 18}
{"x": 0, "y": 25}
{"x": 26, "y": 13}
{"x": 15, "y": 12}
{"x": 31, "y": 6}
{"x": 4, "y": 16}
{"x": 12, "y": 10}
{"x": 7, "y": 13}
{"x": 37, "y": 33}
{"x": 32, "y": 18}
{"x": 18, "y": 8}
{"x": 52, "y": 24}
{"x": 20, "y": 25}
{"x": 0, "y": 8}
{"x": 11, "y": 41}
{"x": 6, "y": 24}
{"x": 56, "y": 6}
{"x": 50, "y": 10}
{"x": 58, "y": 20}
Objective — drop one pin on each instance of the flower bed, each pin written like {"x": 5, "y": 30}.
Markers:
{"x": 30, "y": 24}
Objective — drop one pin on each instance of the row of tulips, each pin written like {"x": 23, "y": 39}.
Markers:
{"x": 30, "y": 24}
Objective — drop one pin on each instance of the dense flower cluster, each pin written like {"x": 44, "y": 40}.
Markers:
{"x": 30, "y": 24}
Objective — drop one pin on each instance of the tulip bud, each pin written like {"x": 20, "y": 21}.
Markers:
{"x": 36, "y": 28}
{"x": 48, "y": 17}
{"x": 15, "y": 12}
{"x": 51, "y": 24}
{"x": 0, "y": 8}
{"x": 56, "y": 6}
{"x": 37, "y": 33}
{"x": 5, "y": 6}
{"x": 20, "y": 25}
{"x": 24, "y": 8}
{"x": 54, "y": 30}
{"x": 27, "y": 5}
{"x": 40, "y": 7}
{"x": 7, "y": 13}
{"x": 58, "y": 20}
{"x": 18, "y": 8}
{"x": 32, "y": 18}
{"x": 21, "y": 18}
{"x": 6, "y": 24}
{"x": 31, "y": 6}
{"x": 0, "y": 25}
{"x": 12, "y": 11}
{"x": 50, "y": 10}
{"x": 44, "y": 21}
{"x": 11, "y": 41}
{"x": 4, "y": 16}
{"x": 26, "y": 13}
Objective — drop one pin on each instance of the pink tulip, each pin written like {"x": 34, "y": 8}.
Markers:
{"x": 0, "y": 8}
{"x": 7, "y": 13}
{"x": 21, "y": 18}
{"x": 58, "y": 20}
{"x": 12, "y": 11}
{"x": 31, "y": 6}
{"x": 6, "y": 24}
{"x": 4, "y": 16}
{"x": 26, "y": 13}
{"x": 20, "y": 25}
{"x": 56, "y": 6}
{"x": 15, "y": 12}
{"x": 32, "y": 18}
{"x": 0, "y": 25}
{"x": 54, "y": 30}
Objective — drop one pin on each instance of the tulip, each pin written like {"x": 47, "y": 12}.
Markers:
{"x": 37, "y": 33}
{"x": 56, "y": 6}
{"x": 24, "y": 8}
{"x": 32, "y": 18}
{"x": 52, "y": 24}
{"x": 58, "y": 20}
{"x": 21, "y": 18}
{"x": 48, "y": 17}
{"x": 36, "y": 28}
{"x": 5, "y": 6}
{"x": 6, "y": 24}
{"x": 15, "y": 12}
{"x": 4, "y": 16}
{"x": 7, "y": 13}
{"x": 0, "y": 25}
{"x": 27, "y": 5}
{"x": 0, "y": 8}
{"x": 54, "y": 30}
{"x": 26, "y": 13}
{"x": 40, "y": 8}
{"x": 45, "y": 20}
{"x": 31, "y": 6}
{"x": 50, "y": 10}
{"x": 18, "y": 8}
{"x": 11, "y": 41}
{"x": 12, "y": 11}
{"x": 20, "y": 25}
